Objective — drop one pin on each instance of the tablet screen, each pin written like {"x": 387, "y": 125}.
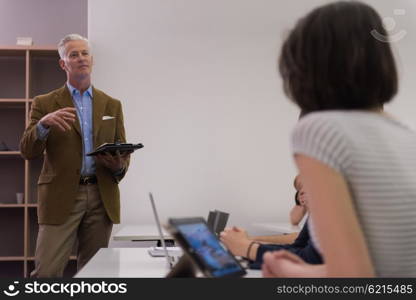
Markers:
{"x": 206, "y": 246}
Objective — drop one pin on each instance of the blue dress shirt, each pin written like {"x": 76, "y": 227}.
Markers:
{"x": 84, "y": 107}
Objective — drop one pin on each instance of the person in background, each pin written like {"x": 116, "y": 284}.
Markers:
{"x": 78, "y": 197}
{"x": 253, "y": 248}
{"x": 298, "y": 212}
{"x": 357, "y": 162}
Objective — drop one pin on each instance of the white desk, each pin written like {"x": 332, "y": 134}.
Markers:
{"x": 275, "y": 228}
{"x": 130, "y": 262}
{"x": 124, "y": 262}
{"x": 149, "y": 232}
{"x": 145, "y": 232}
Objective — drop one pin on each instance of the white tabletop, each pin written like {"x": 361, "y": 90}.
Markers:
{"x": 130, "y": 262}
{"x": 146, "y": 232}
{"x": 275, "y": 228}
{"x": 149, "y": 232}
{"x": 124, "y": 262}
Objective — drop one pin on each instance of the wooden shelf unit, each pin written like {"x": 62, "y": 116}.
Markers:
{"x": 25, "y": 72}
{"x": 8, "y": 153}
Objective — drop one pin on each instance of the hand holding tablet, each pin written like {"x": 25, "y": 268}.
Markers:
{"x": 112, "y": 148}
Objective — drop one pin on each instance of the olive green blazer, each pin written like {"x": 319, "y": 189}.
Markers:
{"x": 59, "y": 179}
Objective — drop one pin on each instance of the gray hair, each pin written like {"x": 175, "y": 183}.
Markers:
{"x": 68, "y": 38}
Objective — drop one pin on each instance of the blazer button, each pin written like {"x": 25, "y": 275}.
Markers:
{"x": 77, "y": 172}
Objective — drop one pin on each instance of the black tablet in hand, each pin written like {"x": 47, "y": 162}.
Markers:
{"x": 112, "y": 148}
{"x": 204, "y": 248}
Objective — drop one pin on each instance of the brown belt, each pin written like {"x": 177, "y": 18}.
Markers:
{"x": 88, "y": 179}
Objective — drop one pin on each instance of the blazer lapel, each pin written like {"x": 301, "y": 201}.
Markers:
{"x": 64, "y": 99}
{"x": 99, "y": 104}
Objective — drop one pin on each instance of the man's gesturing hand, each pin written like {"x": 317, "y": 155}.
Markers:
{"x": 61, "y": 119}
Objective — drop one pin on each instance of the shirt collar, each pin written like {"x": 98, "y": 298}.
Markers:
{"x": 73, "y": 90}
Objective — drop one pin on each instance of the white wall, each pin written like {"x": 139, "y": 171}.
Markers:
{"x": 46, "y": 21}
{"x": 200, "y": 90}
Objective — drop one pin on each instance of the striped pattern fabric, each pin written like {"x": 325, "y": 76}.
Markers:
{"x": 377, "y": 157}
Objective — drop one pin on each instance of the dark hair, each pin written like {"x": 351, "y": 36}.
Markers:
{"x": 297, "y": 192}
{"x": 331, "y": 60}
{"x": 297, "y": 202}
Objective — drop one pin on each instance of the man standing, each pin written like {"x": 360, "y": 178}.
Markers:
{"x": 78, "y": 196}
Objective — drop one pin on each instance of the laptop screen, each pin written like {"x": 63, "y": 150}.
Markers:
{"x": 159, "y": 228}
{"x": 208, "y": 250}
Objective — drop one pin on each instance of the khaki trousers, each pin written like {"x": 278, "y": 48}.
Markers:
{"x": 88, "y": 222}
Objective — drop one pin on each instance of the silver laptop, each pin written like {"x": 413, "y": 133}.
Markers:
{"x": 170, "y": 259}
